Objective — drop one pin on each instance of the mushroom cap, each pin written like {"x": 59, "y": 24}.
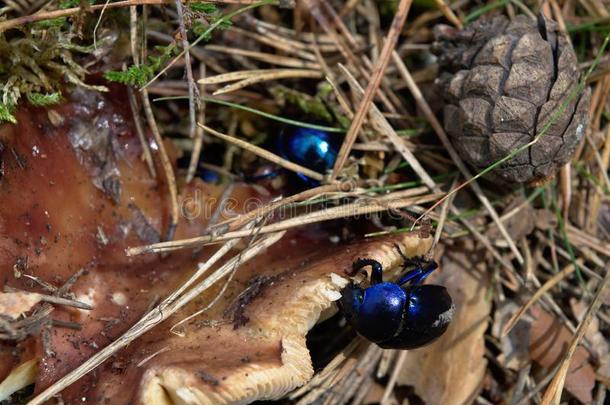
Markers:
{"x": 266, "y": 357}
{"x": 58, "y": 213}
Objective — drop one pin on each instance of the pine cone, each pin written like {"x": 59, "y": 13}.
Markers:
{"x": 503, "y": 81}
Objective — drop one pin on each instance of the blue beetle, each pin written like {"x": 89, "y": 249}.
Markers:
{"x": 317, "y": 150}
{"x": 312, "y": 148}
{"x": 401, "y": 315}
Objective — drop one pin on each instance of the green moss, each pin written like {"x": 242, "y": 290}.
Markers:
{"x": 205, "y": 8}
{"x": 41, "y": 62}
{"x": 141, "y": 74}
{"x": 313, "y": 106}
{"x": 44, "y": 99}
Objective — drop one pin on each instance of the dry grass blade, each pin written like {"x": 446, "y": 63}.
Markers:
{"x": 443, "y": 217}
{"x": 565, "y": 189}
{"x": 326, "y": 42}
{"x": 248, "y": 74}
{"x": 580, "y": 238}
{"x": 51, "y": 298}
{"x": 48, "y": 15}
{"x": 448, "y": 13}
{"x": 189, "y": 70}
{"x": 382, "y": 125}
{"x": 384, "y": 58}
{"x": 265, "y": 57}
{"x": 400, "y": 361}
{"x": 170, "y": 176}
{"x": 550, "y": 283}
{"x": 552, "y": 395}
{"x": 155, "y": 317}
{"x": 236, "y": 223}
{"x": 272, "y": 75}
{"x": 140, "y": 131}
{"x": 281, "y": 43}
{"x": 198, "y": 142}
{"x": 64, "y": 301}
{"x": 392, "y": 201}
{"x": 265, "y": 154}
{"x": 602, "y": 177}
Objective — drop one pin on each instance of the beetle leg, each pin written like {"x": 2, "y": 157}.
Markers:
{"x": 377, "y": 269}
{"x": 417, "y": 261}
{"x": 419, "y": 274}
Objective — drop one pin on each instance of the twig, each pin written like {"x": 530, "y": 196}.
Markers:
{"x": 315, "y": 192}
{"x": 346, "y": 210}
{"x": 189, "y": 71}
{"x": 384, "y": 58}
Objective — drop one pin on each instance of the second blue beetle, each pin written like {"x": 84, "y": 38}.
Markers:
{"x": 401, "y": 315}
{"x": 317, "y": 150}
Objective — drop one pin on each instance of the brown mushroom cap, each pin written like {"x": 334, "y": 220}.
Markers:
{"x": 248, "y": 346}
{"x": 266, "y": 357}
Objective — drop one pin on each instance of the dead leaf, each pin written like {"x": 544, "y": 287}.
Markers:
{"x": 603, "y": 372}
{"x": 515, "y": 352}
{"x": 549, "y": 340}
{"x": 451, "y": 370}
{"x": 517, "y": 225}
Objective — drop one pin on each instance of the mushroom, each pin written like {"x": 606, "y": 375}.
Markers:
{"x": 251, "y": 344}
{"x": 64, "y": 228}
{"x": 261, "y": 353}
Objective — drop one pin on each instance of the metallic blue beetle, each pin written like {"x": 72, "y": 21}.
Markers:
{"x": 402, "y": 315}
{"x": 317, "y": 150}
